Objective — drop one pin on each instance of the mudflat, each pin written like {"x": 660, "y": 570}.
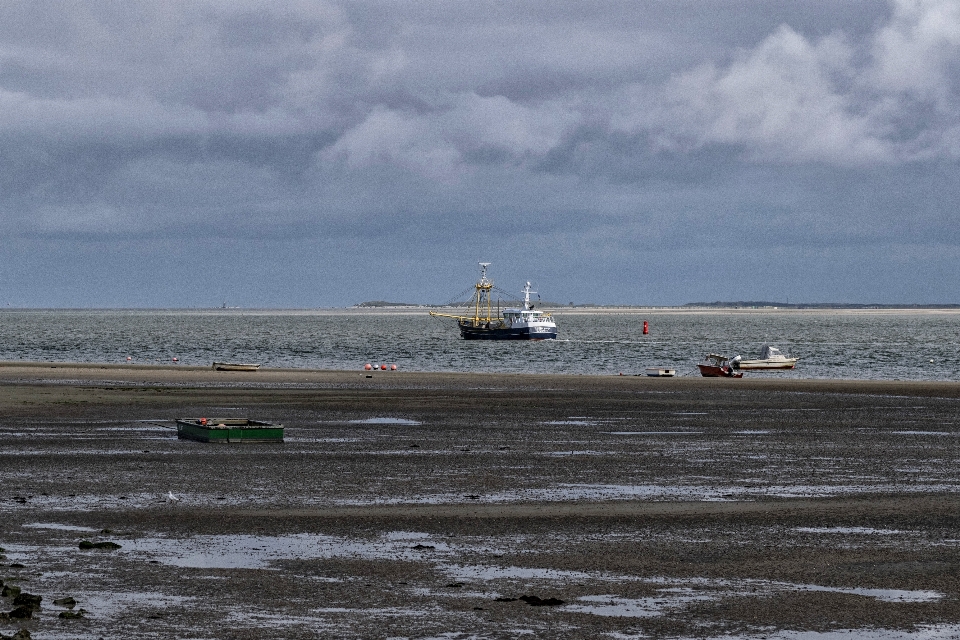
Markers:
{"x": 478, "y": 505}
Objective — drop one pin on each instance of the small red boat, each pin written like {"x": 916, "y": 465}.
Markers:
{"x": 715, "y": 365}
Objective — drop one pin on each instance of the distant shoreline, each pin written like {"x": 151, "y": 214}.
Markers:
{"x": 559, "y": 310}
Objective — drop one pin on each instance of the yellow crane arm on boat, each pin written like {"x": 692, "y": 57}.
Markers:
{"x": 446, "y": 315}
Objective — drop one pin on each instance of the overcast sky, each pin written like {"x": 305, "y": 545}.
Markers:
{"x": 317, "y": 154}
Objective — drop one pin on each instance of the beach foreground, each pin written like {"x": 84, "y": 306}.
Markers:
{"x": 456, "y": 505}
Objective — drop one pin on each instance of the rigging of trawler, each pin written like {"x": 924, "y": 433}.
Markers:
{"x": 487, "y": 323}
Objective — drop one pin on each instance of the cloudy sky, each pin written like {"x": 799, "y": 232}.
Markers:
{"x": 316, "y": 154}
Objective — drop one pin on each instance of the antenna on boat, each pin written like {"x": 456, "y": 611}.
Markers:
{"x": 483, "y": 271}
{"x": 526, "y": 296}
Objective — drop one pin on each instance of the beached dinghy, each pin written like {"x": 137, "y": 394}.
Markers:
{"x": 715, "y": 365}
{"x": 661, "y": 372}
{"x": 235, "y": 366}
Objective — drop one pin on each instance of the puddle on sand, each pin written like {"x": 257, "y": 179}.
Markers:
{"x": 111, "y": 604}
{"x": 923, "y": 433}
{"x": 849, "y": 530}
{"x": 493, "y": 572}
{"x": 105, "y": 605}
{"x": 258, "y": 552}
{"x": 264, "y": 619}
{"x": 583, "y": 421}
{"x": 671, "y": 598}
{"x": 600, "y": 492}
{"x": 635, "y": 607}
{"x": 387, "y": 611}
{"x": 883, "y": 595}
{"x": 58, "y": 527}
{"x": 85, "y": 502}
{"x": 403, "y": 421}
{"x": 654, "y": 433}
{"x": 327, "y": 618}
{"x": 926, "y": 632}
{"x": 568, "y": 492}
{"x": 92, "y": 451}
{"x": 582, "y": 452}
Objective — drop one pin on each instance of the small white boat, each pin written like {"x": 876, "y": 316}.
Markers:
{"x": 770, "y": 358}
{"x": 235, "y": 366}
{"x": 660, "y": 372}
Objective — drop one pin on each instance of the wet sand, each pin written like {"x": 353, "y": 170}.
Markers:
{"x": 416, "y": 505}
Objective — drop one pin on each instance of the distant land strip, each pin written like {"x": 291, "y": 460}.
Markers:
{"x": 816, "y": 305}
{"x": 762, "y": 304}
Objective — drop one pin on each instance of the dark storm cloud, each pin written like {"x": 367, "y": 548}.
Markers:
{"x": 599, "y": 129}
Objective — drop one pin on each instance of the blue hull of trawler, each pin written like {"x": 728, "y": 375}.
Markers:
{"x": 503, "y": 333}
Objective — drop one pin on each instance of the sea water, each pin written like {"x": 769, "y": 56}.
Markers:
{"x": 909, "y": 345}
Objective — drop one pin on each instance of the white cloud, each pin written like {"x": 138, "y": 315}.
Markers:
{"x": 105, "y": 118}
{"x": 783, "y": 102}
{"x": 96, "y": 218}
{"x": 480, "y": 86}
{"x": 437, "y": 143}
{"x": 892, "y": 97}
{"x": 392, "y": 137}
{"x": 918, "y": 52}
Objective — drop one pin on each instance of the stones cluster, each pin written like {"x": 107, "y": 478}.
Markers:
{"x": 25, "y": 604}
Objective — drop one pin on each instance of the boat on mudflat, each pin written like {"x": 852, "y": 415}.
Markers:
{"x": 660, "y": 372}
{"x": 235, "y": 366}
{"x": 228, "y": 430}
{"x": 715, "y": 365}
{"x": 483, "y": 322}
{"x": 770, "y": 358}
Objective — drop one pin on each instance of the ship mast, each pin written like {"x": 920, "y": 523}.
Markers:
{"x": 482, "y": 303}
{"x": 482, "y": 297}
{"x": 526, "y": 296}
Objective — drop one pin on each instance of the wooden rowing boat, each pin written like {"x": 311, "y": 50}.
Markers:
{"x": 235, "y": 366}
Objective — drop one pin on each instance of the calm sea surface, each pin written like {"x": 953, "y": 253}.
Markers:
{"x": 867, "y": 345}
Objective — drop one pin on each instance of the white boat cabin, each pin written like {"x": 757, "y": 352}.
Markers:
{"x": 522, "y": 317}
{"x": 771, "y": 353}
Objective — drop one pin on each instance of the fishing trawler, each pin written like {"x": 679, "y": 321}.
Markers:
{"x": 487, "y": 323}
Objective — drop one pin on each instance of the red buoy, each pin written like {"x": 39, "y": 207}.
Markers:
{"x": 367, "y": 367}
{"x": 646, "y": 328}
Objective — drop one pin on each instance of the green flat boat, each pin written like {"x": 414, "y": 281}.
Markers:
{"x": 228, "y": 430}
